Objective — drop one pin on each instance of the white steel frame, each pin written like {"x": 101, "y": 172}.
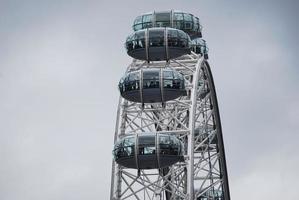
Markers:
{"x": 195, "y": 120}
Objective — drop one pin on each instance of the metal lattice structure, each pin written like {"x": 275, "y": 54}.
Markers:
{"x": 194, "y": 119}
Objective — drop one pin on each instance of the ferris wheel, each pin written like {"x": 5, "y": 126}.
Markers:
{"x": 168, "y": 142}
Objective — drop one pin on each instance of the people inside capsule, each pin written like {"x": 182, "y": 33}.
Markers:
{"x": 148, "y": 151}
{"x": 152, "y": 85}
{"x": 158, "y": 44}
{"x": 173, "y": 19}
{"x": 199, "y": 46}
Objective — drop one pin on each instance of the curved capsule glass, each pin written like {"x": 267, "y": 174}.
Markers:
{"x": 199, "y": 46}
{"x": 173, "y": 19}
{"x": 148, "y": 151}
{"x": 152, "y": 85}
{"x": 158, "y": 44}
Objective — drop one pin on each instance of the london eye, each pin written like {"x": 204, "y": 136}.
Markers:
{"x": 168, "y": 142}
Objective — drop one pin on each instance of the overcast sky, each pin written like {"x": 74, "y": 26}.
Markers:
{"x": 60, "y": 62}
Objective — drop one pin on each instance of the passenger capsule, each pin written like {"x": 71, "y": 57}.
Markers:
{"x": 148, "y": 151}
{"x": 152, "y": 85}
{"x": 158, "y": 44}
{"x": 199, "y": 46}
{"x": 173, "y": 19}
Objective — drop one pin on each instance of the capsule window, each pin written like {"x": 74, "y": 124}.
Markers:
{"x": 150, "y": 79}
{"x": 163, "y": 19}
{"x": 196, "y": 23}
{"x": 163, "y": 16}
{"x": 199, "y": 46}
{"x": 138, "y": 23}
{"x": 147, "y": 21}
{"x": 151, "y": 74}
{"x": 177, "y": 81}
{"x": 138, "y": 20}
{"x": 129, "y": 38}
{"x": 139, "y": 41}
{"x": 132, "y": 82}
{"x": 181, "y": 34}
{"x": 187, "y": 18}
{"x": 168, "y": 79}
{"x": 164, "y": 144}
{"x": 188, "y": 21}
{"x": 173, "y": 146}
{"x": 129, "y": 43}
{"x": 139, "y": 35}
{"x": 134, "y": 76}
{"x": 178, "y": 21}
{"x": 134, "y": 44}
{"x": 147, "y": 145}
{"x": 129, "y": 146}
{"x": 168, "y": 74}
{"x": 119, "y": 150}
{"x": 178, "y": 16}
{"x": 121, "y": 85}
{"x": 156, "y": 38}
{"x": 147, "y": 18}
{"x": 171, "y": 33}
{"x": 138, "y": 27}
{"x": 177, "y": 75}
{"x": 172, "y": 38}
{"x": 183, "y": 41}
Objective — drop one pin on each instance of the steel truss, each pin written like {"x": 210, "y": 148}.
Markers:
{"x": 195, "y": 120}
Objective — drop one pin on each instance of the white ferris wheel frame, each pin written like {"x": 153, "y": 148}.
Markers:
{"x": 195, "y": 120}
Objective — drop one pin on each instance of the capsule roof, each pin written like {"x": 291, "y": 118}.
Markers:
{"x": 174, "y": 19}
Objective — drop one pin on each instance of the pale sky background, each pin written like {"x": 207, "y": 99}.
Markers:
{"x": 60, "y": 62}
